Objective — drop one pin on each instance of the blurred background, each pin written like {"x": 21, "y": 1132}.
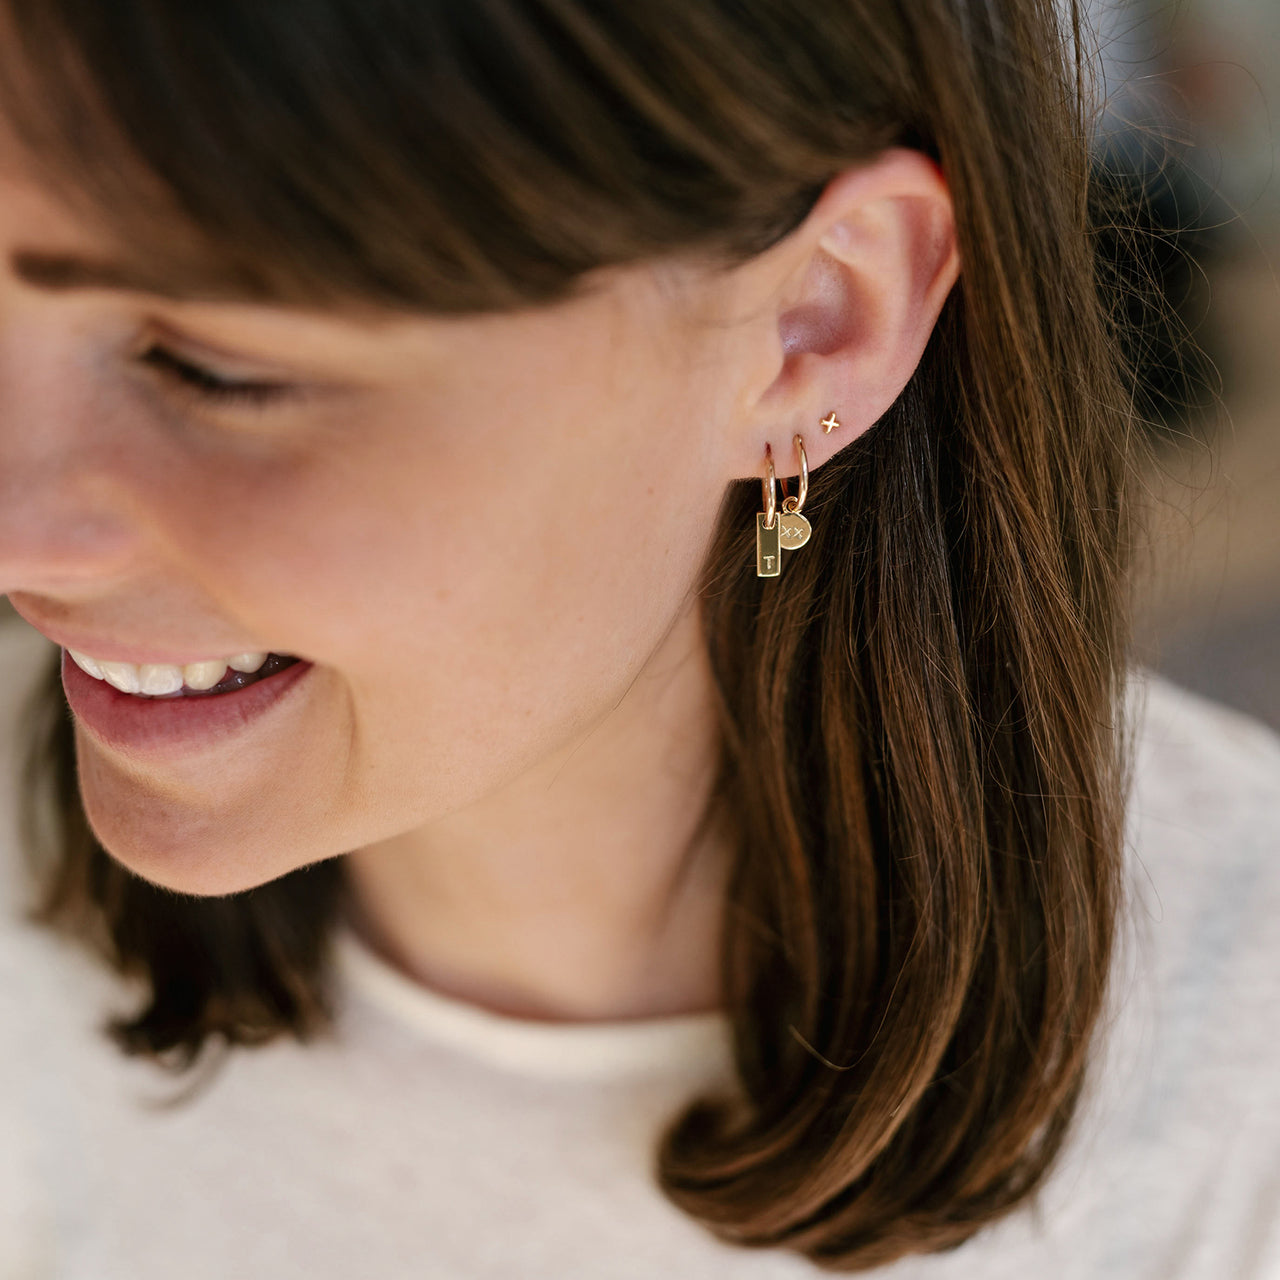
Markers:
{"x": 1189, "y": 140}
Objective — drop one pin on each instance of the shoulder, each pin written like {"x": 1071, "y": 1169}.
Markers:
{"x": 1204, "y": 800}
{"x": 1203, "y": 879}
{"x": 1206, "y": 781}
{"x": 1189, "y": 739}
{"x": 1175, "y": 1145}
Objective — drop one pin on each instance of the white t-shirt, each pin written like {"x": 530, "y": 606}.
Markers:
{"x": 429, "y": 1138}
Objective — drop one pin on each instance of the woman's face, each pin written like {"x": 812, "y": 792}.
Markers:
{"x": 476, "y": 530}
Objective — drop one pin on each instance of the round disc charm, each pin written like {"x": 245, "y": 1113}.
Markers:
{"x": 795, "y": 530}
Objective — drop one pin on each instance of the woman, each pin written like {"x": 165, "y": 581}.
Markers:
{"x": 597, "y": 859}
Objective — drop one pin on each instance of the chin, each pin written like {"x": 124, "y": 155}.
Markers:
{"x": 201, "y": 851}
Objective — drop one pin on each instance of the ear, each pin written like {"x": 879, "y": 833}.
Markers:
{"x": 850, "y": 299}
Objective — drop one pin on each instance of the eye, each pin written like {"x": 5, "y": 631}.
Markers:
{"x": 211, "y": 387}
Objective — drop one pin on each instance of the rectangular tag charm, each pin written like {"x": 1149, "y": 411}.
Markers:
{"x": 768, "y": 547}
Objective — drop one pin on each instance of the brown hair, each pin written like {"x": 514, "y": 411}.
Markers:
{"x": 924, "y": 751}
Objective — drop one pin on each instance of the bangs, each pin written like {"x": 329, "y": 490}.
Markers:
{"x": 435, "y": 156}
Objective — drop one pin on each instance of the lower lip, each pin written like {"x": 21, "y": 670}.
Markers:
{"x": 164, "y": 727}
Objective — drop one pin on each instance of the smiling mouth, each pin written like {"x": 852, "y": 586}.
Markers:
{"x": 156, "y": 683}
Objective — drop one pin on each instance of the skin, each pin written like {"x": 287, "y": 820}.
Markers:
{"x": 486, "y": 534}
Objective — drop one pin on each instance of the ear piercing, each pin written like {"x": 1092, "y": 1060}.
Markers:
{"x": 787, "y": 530}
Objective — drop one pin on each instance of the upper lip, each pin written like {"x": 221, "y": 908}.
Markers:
{"x": 106, "y": 650}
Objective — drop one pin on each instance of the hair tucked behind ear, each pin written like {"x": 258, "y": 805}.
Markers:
{"x": 923, "y": 748}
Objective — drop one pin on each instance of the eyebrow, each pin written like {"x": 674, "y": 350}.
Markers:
{"x": 59, "y": 271}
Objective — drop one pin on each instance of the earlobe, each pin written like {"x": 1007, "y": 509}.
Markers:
{"x": 871, "y": 268}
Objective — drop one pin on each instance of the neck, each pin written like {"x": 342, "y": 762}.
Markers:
{"x": 586, "y": 889}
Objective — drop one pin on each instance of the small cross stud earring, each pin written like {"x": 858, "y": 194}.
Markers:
{"x": 830, "y": 422}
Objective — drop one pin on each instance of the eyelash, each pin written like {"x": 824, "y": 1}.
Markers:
{"x": 213, "y": 389}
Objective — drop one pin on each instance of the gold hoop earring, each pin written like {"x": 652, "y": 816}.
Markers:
{"x": 768, "y": 545}
{"x": 789, "y": 531}
{"x": 795, "y": 527}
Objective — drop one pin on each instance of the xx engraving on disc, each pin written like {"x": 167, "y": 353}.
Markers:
{"x": 795, "y": 530}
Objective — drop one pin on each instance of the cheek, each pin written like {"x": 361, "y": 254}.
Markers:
{"x": 475, "y": 602}
{"x": 470, "y": 656}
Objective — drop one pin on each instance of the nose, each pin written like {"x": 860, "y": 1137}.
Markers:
{"x": 65, "y": 527}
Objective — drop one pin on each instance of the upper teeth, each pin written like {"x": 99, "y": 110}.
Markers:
{"x": 159, "y": 677}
